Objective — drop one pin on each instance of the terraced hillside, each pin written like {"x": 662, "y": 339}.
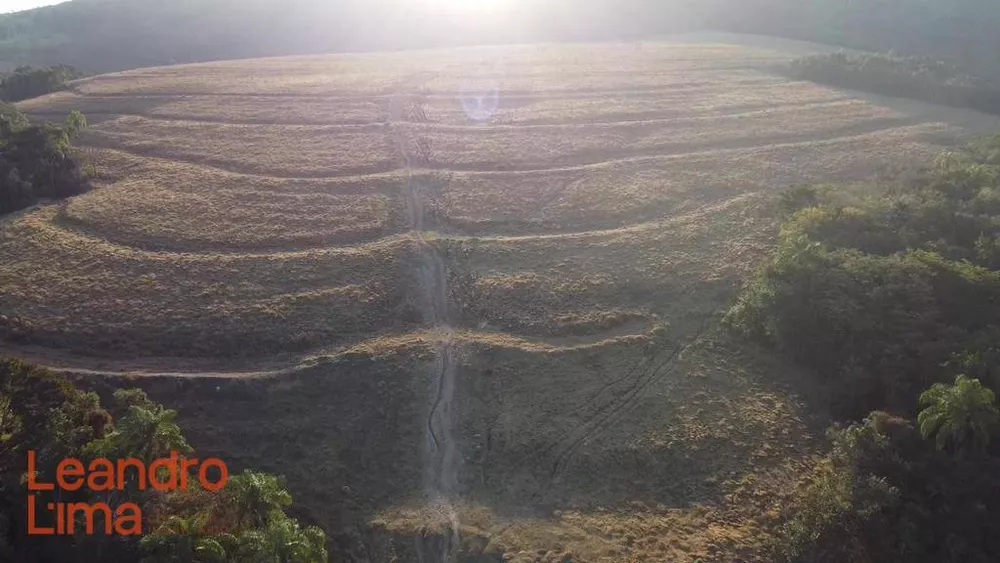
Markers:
{"x": 497, "y": 330}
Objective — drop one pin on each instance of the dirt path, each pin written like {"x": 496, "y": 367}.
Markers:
{"x": 441, "y": 470}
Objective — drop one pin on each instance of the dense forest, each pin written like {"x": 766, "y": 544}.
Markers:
{"x": 890, "y": 291}
{"x": 36, "y": 161}
{"x": 242, "y": 521}
{"x": 28, "y": 82}
{"x": 920, "y": 78}
{"x": 102, "y": 35}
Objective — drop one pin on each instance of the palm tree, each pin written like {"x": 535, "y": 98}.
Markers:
{"x": 150, "y": 433}
{"x": 281, "y": 541}
{"x": 144, "y": 430}
{"x": 954, "y": 413}
{"x": 289, "y": 543}
{"x": 180, "y": 540}
{"x": 254, "y": 497}
{"x": 147, "y": 431}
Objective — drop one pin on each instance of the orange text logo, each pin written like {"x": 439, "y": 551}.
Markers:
{"x": 104, "y": 475}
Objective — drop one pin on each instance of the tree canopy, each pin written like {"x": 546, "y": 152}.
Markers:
{"x": 36, "y": 161}
{"x": 921, "y": 78}
{"x": 29, "y": 82}
{"x": 877, "y": 285}
{"x": 889, "y": 290}
{"x": 244, "y": 522}
{"x": 958, "y": 414}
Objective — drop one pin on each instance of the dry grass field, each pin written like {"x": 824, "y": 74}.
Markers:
{"x": 294, "y": 252}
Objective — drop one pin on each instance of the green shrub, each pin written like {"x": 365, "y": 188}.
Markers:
{"x": 846, "y": 510}
{"x": 11, "y": 118}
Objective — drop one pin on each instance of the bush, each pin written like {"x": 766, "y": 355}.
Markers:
{"x": 11, "y": 118}
{"x": 846, "y": 508}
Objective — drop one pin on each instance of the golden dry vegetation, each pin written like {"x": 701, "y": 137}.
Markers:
{"x": 253, "y": 216}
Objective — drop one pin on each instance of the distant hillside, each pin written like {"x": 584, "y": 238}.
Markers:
{"x": 98, "y": 35}
{"x": 102, "y": 35}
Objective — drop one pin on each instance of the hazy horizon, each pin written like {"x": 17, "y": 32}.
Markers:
{"x": 10, "y": 6}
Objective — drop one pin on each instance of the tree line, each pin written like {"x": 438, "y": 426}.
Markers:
{"x": 890, "y": 291}
{"x": 36, "y": 161}
{"x": 29, "y": 82}
{"x": 920, "y": 78}
{"x": 45, "y": 413}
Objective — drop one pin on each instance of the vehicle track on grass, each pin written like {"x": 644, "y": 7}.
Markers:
{"x": 441, "y": 479}
{"x": 616, "y": 409}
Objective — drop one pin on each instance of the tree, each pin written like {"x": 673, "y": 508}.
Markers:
{"x": 252, "y": 498}
{"x": 956, "y": 413}
{"x": 36, "y": 162}
{"x": 43, "y": 411}
{"x": 282, "y": 540}
{"x": 886, "y": 494}
{"x": 74, "y": 123}
{"x": 28, "y": 82}
{"x": 245, "y": 524}
{"x": 11, "y": 119}
{"x": 181, "y": 540}
{"x": 920, "y": 78}
{"x": 147, "y": 431}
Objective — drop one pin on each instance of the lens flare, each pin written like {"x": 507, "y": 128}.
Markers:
{"x": 480, "y": 99}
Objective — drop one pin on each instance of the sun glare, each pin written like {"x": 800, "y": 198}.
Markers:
{"x": 472, "y": 7}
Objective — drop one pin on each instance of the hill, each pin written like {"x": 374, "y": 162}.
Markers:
{"x": 452, "y": 320}
{"x": 106, "y": 35}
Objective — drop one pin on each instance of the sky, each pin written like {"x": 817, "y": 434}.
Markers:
{"x": 7, "y": 6}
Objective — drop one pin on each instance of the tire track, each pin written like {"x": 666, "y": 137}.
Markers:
{"x": 610, "y": 414}
{"x": 441, "y": 478}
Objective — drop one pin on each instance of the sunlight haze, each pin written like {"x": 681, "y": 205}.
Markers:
{"x": 468, "y": 6}
{"x": 9, "y": 6}
{"x": 499, "y": 281}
